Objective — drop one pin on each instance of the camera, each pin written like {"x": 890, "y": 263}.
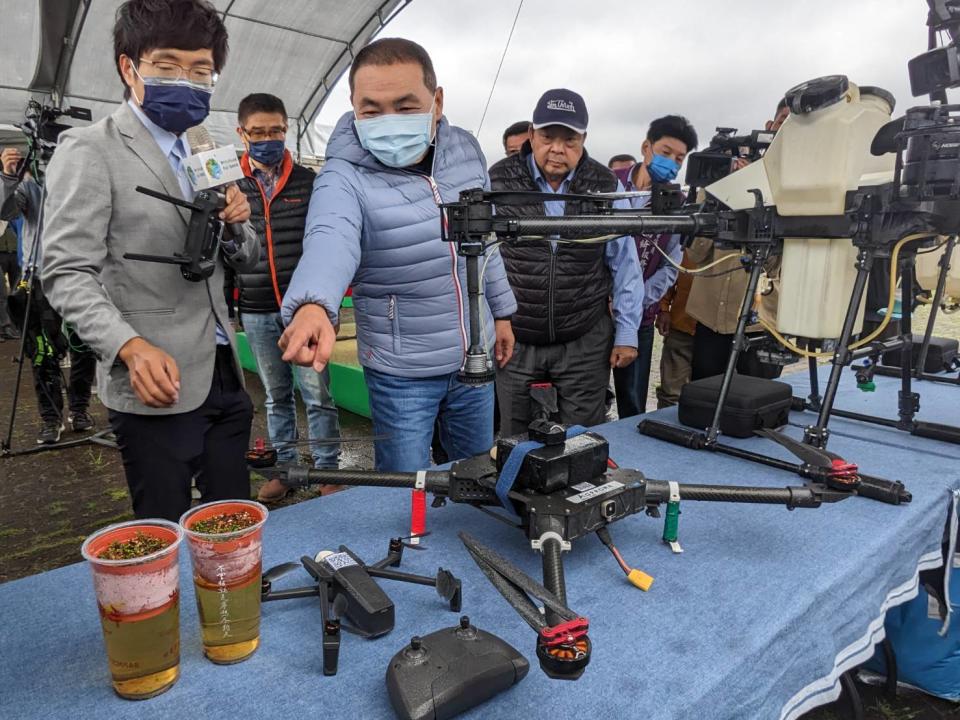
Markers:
{"x": 42, "y": 130}
{"x": 939, "y": 67}
{"x": 716, "y": 162}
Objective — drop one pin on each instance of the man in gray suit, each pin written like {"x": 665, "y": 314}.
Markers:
{"x": 168, "y": 370}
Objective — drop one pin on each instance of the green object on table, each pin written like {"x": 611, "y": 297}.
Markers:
{"x": 347, "y": 385}
{"x": 671, "y": 522}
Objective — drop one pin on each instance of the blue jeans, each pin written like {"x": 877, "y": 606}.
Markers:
{"x": 405, "y": 409}
{"x": 263, "y": 331}
{"x": 632, "y": 382}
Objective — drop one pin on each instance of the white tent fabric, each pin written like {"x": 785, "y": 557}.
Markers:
{"x": 295, "y": 49}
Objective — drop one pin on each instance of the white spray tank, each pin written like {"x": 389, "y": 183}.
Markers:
{"x": 819, "y": 153}
{"x": 928, "y": 272}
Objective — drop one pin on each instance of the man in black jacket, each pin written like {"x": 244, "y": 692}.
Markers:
{"x": 565, "y": 291}
{"x": 279, "y": 193}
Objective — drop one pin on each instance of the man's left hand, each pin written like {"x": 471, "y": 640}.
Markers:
{"x": 237, "y": 209}
{"x": 503, "y": 348}
{"x": 622, "y": 356}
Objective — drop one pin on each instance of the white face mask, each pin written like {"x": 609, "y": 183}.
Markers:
{"x": 397, "y": 140}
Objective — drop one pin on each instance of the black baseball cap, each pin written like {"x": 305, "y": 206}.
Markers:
{"x": 561, "y": 107}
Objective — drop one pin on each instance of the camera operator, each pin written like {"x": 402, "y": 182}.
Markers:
{"x": 715, "y": 301}
{"x": 563, "y": 327}
{"x": 168, "y": 370}
{"x": 46, "y": 343}
{"x": 374, "y": 221}
{"x": 668, "y": 141}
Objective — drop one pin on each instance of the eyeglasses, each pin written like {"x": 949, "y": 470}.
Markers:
{"x": 274, "y": 133}
{"x": 171, "y": 72}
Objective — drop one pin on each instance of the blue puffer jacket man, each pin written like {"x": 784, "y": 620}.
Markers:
{"x": 377, "y": 227}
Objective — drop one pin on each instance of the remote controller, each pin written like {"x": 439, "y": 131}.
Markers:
{"x": 450, "y": 671}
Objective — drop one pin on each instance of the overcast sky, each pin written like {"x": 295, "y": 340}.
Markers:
{"x": 719, "y": 63}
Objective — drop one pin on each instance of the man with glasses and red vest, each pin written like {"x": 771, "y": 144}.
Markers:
{"x": 278, "y": 191}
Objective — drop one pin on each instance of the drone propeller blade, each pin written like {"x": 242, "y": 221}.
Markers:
{"x": 411, "y": 545}
{"x": 515, "y": 585}
{"x": 812, "y": 456}
{"x": 278, "y": 571}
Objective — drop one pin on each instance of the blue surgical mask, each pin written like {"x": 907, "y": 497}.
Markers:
{"x": 662, "y": 169}
{"x": 175, "y": 106}
{"x": 396, "y": 140}
{"x": 267, "y": 152}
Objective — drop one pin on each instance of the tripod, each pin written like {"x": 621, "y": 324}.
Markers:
{"x": 29, "y": 279}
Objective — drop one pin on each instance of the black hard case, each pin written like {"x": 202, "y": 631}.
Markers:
{"x": 752, "y": 404}
{"x": 940, "y": 356}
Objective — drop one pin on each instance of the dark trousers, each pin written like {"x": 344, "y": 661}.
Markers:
{"x": 633, "y": 381}
{"x": 711, "y": 350}
{"x": 9, "y": 268}
{"x": 161, "y": 453}
{"x": 579, "y": 370}
{"x": 48, "y": 380}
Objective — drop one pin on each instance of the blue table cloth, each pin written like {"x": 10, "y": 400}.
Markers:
{"x": 756, "y": 619}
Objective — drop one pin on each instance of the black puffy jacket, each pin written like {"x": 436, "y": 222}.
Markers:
{"x": 560, "y": 294}
{"x": 279, "y": 225}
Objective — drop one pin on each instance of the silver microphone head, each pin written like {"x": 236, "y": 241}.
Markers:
{"x": 199, "y": 139}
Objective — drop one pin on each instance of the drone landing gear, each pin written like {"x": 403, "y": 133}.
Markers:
{"x": 350, "y": 598}
{"x": 908, "y": 399}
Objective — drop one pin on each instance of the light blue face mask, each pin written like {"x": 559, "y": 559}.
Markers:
{"x": 396, "y": 140}
{"x": 662, "y": 169}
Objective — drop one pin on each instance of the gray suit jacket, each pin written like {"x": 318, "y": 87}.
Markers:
{"x": 93, "y": 215}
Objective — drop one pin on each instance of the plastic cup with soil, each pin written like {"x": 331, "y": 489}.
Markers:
{"x": 225, "y": 538}
{"x": 136, "y": 579}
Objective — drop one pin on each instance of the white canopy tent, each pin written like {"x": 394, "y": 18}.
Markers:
{"x": 60, "y": 52}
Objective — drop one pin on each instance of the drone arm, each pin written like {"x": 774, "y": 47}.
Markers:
{"x": 617, "y": 225}
{"x": 658, "y": 491}
{"x": 553, "y": 578}
{"x": 438, "y": 482}
{"x": 290, "y": 594}
{"x": 387, "y": 574}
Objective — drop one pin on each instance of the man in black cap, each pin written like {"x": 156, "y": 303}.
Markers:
{"x": 563, "y": 326}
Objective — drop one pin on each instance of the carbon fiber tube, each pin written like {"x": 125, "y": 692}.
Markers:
{"x": 659, "y": 491}
{"x": 936, "y": 431}
{"x": 436, "y": 481}
{"x": 611, "y": 224}
{"x": 887, "y": 371}
{"x": 553, "y": 578}
{"x": 672, "y": 434}
{"x": 888, "y": 491}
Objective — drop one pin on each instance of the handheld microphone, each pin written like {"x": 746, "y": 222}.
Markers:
{"x": 208, "y": 165}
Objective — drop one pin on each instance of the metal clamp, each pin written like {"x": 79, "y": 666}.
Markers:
{"x": 537, "y": 543}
